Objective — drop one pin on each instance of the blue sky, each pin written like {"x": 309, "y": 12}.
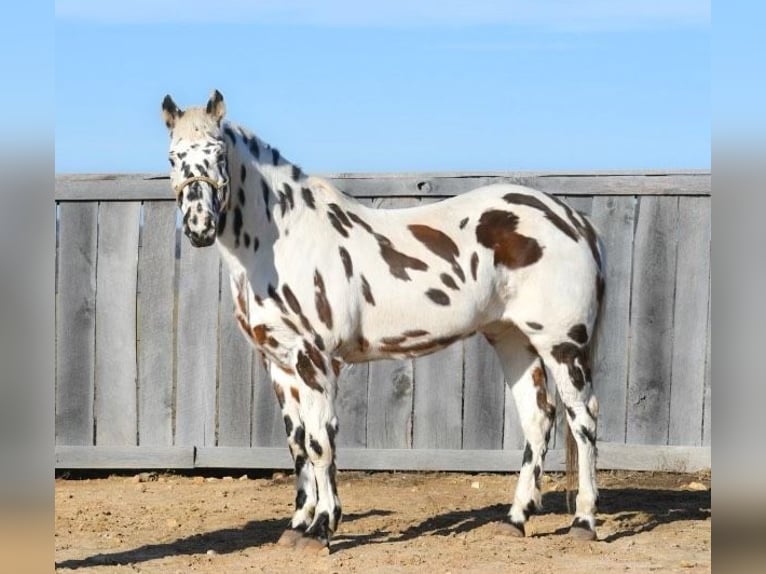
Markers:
{"x": 343, "y": 86}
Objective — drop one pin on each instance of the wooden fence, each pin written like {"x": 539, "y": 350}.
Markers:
{"x": 147, "y": 377}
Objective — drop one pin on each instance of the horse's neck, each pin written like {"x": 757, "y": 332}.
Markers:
{"x": 267, "y": 192}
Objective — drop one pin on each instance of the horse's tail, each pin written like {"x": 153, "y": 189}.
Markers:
{"x": 571, "y": 463}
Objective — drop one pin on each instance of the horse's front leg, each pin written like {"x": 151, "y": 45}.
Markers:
{"x": 286, "y": 387}
{"x": 312, "y": 389}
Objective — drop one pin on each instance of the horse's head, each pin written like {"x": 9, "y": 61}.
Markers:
{"x": 198, "y": 168}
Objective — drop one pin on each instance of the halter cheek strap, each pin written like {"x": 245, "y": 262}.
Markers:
{"x": 215, "y": 184}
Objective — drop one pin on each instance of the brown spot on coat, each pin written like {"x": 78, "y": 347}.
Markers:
{"x": 577, "y": 361}
{"x": 420, "y": 348}
{"x": 360, "y": 222}
{"x": 393, "y": 340}
{"x": 260, "y": 332}
{"x": 336, "y": 365}
{"x": 339, "y": 213}
{"x": 463, "y": 222}
{"x": 295, "y": 394}
{"x": 320, "y": 300}
{"x": 535, "y": 326}
{"x": 367, "y": 292}
{"x": 348, "y": 266}
{"x": 244, "y": 325}
{"x": 337, "y": 224}
{"x": 416, "y": 333}
{"x": 280, "y": 395}
{"x": 538, "y": 379}
{"x": 291, "y": 299}
{"x": 315, "y": 356}
{"x": 307, "y": 371}
{"x": 290, "y": 325}
{"x": 550, "y": 215}
{"x": 449, "y": 281}
{"x": 276, "y": 298}
{"x": 308, "y": 197}
{"x": 398, "y": 262}
{"x": 579, "y": 334}
{"x": 497, "y": 231}
{"x": 438, "y": 296}
{"x": 439, "y": 243}
{"x": 474, "y": 264}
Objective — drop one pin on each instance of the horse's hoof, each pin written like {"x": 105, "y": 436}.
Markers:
{"x": 313, "y": 546}
{"x": 581, "y": 530}
{"x": 289, "y": 537}
{"x": 511, "y": 529}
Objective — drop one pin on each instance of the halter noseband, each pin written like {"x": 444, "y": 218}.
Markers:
{"x": 215, "y": 184}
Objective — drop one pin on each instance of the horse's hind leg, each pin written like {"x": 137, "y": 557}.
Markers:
{"x": 525, "y": 375}
{"x": 568, "y": 362}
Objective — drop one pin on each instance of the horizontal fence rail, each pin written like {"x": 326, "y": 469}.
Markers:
{"x": 147, "y": 376}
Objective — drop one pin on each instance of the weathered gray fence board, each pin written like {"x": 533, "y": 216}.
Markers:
{"x": 76, "y": 323}
{"x": 689, "y": 335}
{"x": 197, "y": 346}
{"x": 389, "y": 422}
{"x": 438, "y": 399}
{"x": 235, "y": 370}
{"x": 156, "y": 301}
{"x": 143, "y": 187}
{"x": 653, "y": 287}
{"x": 268, "y": 428}
{"x": 611, "y": 456}
{"x": 116, "y": 457}
{"x": 614, "y": 217}
{"x": 116, "y": 374}
{"x": 483, "y": 396}
{"x": 351, "y": 405}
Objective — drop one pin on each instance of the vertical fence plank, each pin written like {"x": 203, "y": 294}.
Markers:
{"x": 268, "y": 428}
{"x": 351, "y": 405}
{"x": 614, "y": 217}
{"x": 156, "y": 302}
{"x": 438, "y": 399}
{"x": 234, "y": 374}
{"x": 687, "y": 388}
{"x": 483, "y": 396}
{"x": 389, "y": 418}
{"x": 197, "y": 345}
{"x": 76, "y": 323}
{"x": 653, "y": 285}
{"x": 116, "y": 365}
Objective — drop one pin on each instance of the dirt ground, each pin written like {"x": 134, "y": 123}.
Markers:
{"x": 393, "y": 522}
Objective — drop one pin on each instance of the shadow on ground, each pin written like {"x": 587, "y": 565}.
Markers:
{"x": 253, "y": 534}
{"x": 634, "y": 511}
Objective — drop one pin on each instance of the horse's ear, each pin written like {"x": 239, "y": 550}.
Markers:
{"x": 170, "y": 112}
{"x": 215, "y": 106}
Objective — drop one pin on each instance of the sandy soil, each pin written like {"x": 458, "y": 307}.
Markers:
{"x": 393, "y": 522}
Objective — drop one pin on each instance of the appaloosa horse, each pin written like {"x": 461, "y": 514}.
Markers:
{"x": 320, "y": 280}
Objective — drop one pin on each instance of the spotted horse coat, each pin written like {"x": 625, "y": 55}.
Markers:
{"x": 320, "y": 281}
